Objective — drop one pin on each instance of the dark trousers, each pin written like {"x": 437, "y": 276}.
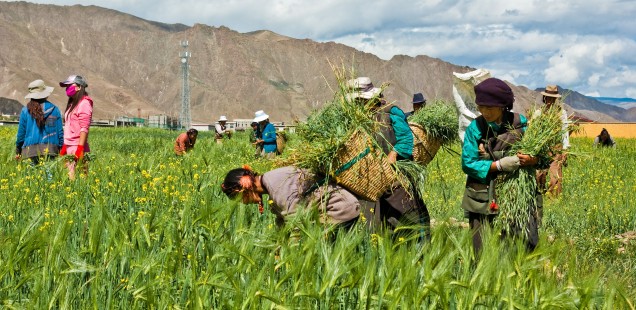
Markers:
{"x": 395, "y": 208}
{"x": 530, "y": 233}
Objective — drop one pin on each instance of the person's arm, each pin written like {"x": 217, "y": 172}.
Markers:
{"x": 403, "y": 134}
{"x": 269, "y": 134}
{"x": 472, "y": 164}
{"x": 596, "y": 141}
{"x": 84, "y": 117}
{"x": 59, "y": 127}
{"x": 19, "y": 141}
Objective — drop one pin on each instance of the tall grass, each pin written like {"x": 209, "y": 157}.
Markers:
{"x": 146, "y": 229}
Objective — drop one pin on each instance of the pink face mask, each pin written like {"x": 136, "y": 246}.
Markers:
{"x": 71, "y": 90}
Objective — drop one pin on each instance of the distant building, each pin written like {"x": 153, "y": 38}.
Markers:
{"x": 243, "y": 123}
{"x": 125, "y": 121}
{"x": 163, "y": 121}
{"x": 202, "y": 127}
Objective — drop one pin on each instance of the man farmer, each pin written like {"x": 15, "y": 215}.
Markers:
{"x": 550, "y": 96}
{"x": 222, "y": 130}
{"x": 418, "y": 102}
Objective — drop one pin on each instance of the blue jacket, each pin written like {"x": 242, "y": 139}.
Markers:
{"x": 269, "y": 138}
{"x": 30, "y": 134}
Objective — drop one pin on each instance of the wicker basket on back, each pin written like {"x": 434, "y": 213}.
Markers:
{"x": 424, "y": 147}
{"x": 362, "y": 168}
{"x": 281, "y": 140}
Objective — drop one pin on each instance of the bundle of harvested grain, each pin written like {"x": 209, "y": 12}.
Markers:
{"x": 516, "y": 191}
{"x": 337, "y": 142}
{"x": 433, "y": 126}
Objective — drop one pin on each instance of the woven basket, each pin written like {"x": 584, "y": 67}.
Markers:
{"x": 424, "y": 147}
{"x": 280, "y": 143}
{"x": 362, "y": 168}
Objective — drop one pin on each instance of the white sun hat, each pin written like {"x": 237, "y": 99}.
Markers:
{"x": 223, "y": 118}
{"x": 260, "y": 116}
{"x": 363, "y": 88}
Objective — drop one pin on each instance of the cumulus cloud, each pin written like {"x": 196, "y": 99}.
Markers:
{"x": 532, "y": 43}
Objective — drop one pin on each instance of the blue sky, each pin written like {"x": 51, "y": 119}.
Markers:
{"x": 588, "y": 46}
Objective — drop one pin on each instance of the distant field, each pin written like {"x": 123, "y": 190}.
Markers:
{"x": 146, "y": 229}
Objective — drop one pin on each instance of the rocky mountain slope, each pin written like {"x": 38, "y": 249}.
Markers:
{"x": 132, "y": 65}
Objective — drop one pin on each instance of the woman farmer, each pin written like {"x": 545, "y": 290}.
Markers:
{"x": 185, "y": 142}
{"x": 604, "y": 139}
{"x": 486, "y": 141}
{"x": 40, "y": 132}
{"x": 397, "y": 206}
{"x": 290, "y": 188}
{"x": 77, "y": 122}
{"x": 268, "y": 134}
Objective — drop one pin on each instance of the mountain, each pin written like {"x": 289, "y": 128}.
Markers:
{"x": 625, "y": 103}
{"x": 592, "y": 108}
{"x": 10, "y": 106}
{"x": 132, "y": 65}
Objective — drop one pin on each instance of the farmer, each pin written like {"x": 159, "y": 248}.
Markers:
{"x": 397, "y": 206}
{"x": 77, "y": 122}
{"x": 254, "y": 136}
{"x": 221, "y": 130}
{"x": 604, "y": 139}
{"x": 486, "y": 140}
{"x": 268, "y": 134}
{"x": 185, "y": 142}
{"x": 40, "y": 133}
{"x": 555, "y": 187}
{"x": 291, "y": 188}
{"x": 418, "y": 102}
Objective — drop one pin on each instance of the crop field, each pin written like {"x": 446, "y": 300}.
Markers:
{"x": 148, "y": 230}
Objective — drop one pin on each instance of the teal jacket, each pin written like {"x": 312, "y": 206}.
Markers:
{"x": 403, "y": 134}
{"x": 472, "y": 165}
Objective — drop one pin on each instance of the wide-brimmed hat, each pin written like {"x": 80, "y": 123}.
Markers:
{"x": 74, "y": 79}
{"x": 362, "y": 88}
{"x": 260, "y": 116}
{"x": 38, "y": 90}
{"x": 551, "y": 91}
{"x": 223, "y": 118}
{"x": 418, "y": 98}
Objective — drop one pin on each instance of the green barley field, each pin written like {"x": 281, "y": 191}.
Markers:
{"x": 147, "y": 230}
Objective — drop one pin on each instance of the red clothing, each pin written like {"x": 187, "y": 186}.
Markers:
{"x": 183, "y": 144}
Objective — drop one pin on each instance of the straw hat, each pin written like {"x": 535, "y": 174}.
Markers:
{"x": 37, "y": 90}
{"x": 223, "y": 118}
{"x": 551, "y": 91}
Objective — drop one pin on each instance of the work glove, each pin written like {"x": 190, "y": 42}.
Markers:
{"x": 79, "y": 153}
{"x": 63, "y": 150}
{"x": 508, "y": 164}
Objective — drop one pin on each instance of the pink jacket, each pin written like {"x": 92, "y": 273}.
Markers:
{"x": 79, "y": 120}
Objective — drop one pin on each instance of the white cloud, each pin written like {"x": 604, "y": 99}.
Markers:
{"x": 529, "y": 42}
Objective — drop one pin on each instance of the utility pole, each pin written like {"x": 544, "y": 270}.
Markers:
{"x": 185, "y": 120}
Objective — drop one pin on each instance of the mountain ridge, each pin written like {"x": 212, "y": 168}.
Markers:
{"x": 133, "y": 69}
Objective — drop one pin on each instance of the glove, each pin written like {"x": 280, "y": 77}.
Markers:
{"x": 508, "y": 164}
{"x": 63, "y": 150}
{"x": 79, "y": 153}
